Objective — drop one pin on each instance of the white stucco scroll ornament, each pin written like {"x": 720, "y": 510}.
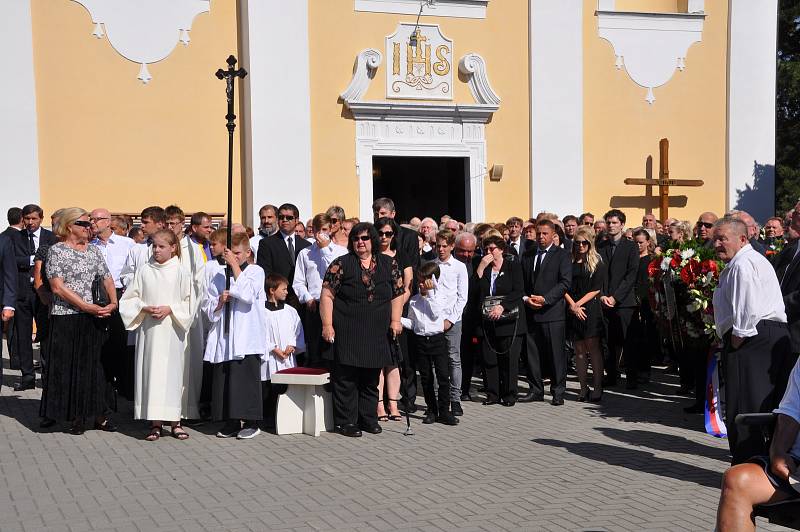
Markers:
{"x": 650, "y": 46}
{"x": 144, "y": 31}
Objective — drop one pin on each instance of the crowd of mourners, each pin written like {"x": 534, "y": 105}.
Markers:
{"x": 191, "y": 322}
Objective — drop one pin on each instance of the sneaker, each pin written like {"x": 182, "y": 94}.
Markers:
{"x": 248, "y": 432}
{"x": 230, "y": 430}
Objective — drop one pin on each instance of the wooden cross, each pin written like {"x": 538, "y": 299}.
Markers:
{"x": 664, "y": 182}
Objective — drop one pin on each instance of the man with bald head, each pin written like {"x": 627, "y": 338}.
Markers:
{"x": 704, "y": 229}
{"x": 750, "y": 318}
{"x": 752, "y": 229}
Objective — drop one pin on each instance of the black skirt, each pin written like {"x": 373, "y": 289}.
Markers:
{"x": 75, "y": 384}
{"x": 236, "y": 390}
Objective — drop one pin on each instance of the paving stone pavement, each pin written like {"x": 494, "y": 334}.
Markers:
{"x": 634, "y": 462}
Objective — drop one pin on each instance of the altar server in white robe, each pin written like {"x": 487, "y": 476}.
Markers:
{"x": 236, "y": 353}
{"x": 285, "y": 340}
{"x": 157, "y": 305}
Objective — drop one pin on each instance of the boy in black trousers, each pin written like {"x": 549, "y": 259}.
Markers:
{"x": 426, "y": 322}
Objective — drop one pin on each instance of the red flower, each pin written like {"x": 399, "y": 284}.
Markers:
{"x": 709, "y": 265}
{"x": 675, "y": 262}
{"x": 690, "y": 272}
{"x": 654, "y": 267}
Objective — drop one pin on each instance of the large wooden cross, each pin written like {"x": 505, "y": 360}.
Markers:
{"x": 664, "y": 182}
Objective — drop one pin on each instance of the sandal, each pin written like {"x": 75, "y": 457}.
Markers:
{"x": 384, "y": 417}
{"x": 155, "y": 434}
{"x": 179, "y": 434}
{"x": 395, "y": 417}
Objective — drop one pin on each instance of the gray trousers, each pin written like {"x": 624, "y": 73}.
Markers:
{"x": 453, "y": 336}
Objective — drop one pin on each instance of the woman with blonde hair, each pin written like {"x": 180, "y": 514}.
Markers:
{"x": 679, "y": 232}
{"x": 585, "y": 325}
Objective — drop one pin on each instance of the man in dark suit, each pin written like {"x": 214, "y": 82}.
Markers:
{"x": 618, "y": 299}
{"x": 470, "y": 347}
{"x": 278, "y": 253}
{"x": 15, "y": 225}
{"x": 8, "y": 283}
{"x": 29, "y": 308}
{"x": 407, "y": 255}
{"x": 547, "y": 271}
{"x": 15, "y": 222}
{"x": 787, "y": 266}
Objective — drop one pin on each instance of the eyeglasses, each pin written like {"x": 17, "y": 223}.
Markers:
{"x": 489, "y": 249}
{"x": 174, "y": 223}
{"x": 577, "y": 243}
{"x": 334, "y": 220}
{"x": 97, "y": 219}
{"x": 387, "y": 234}
{"x": 83, "y": 223}
{"x": 364, "y": 238}
{"x": 707, "y": 225}
{"x": 285, "y": 217}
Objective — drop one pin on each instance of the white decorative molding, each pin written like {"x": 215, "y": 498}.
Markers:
{"x": 367, "y": 63}
{"x": 437, "y": 8}
{"x": 474, "y": 66}
{"x": 144, "y": 31}
{"x": 422, "y": 111}
{"x": 421, "y": 72}
{"x": 650, "y": 46}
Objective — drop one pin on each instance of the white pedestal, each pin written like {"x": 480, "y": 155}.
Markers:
{"x": 305, "y": 407}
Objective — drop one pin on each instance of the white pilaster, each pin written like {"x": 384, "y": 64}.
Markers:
{"x": 556, "y": 55}
{"x": 751, "y": 106}
{"x": 276, "y": 126}
{"x": 19, "y": 171}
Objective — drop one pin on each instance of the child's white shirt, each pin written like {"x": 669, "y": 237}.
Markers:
{"x": 284, "y": 328}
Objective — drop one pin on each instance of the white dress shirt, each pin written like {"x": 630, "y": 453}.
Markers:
{"x": 36, "y": 234}
{"x": 790, "y": 404}
{"x": 309, "y": 270}
{"x": 425, "y": 315}
{"x": 516, "y": 244}
{"x": 115, "y": 251}
{"x": 748, "y": 292}
{"x": 453, "y": 284}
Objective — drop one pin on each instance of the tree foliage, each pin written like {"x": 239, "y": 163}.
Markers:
{"x": 787, "y": 141}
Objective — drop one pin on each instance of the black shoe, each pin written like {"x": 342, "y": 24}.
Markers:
{"x": 447, "y": 419}
{"x": 23, "y": 385}
{"x": 372, "y": 429}
{"x": 530, "y": 398}
{"x": 557, "y": 401}
{"x": 77, "y": 429}
{"x": 466, "y": 397}
{"x": 456, "y": 409}
{"x": 609, "y": 381}
{"x": 596, "y": 398}
{"x": 694, "y": 409}
{"x": 489, "y": 402}
{"x": 349, "y": 430}
{"x": 630, "y": 384}
{"x": 508, "y": 403}
{"x": 429, "y": 419}
{"x": 108, "y": 426}
{"x": 46, "y": 423}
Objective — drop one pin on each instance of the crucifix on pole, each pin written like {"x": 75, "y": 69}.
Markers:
{"x": 229, "y": 76}
{"x": 664, "y": 182}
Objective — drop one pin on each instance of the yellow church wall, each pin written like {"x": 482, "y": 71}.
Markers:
{"x": 651, "y": 6}
{"x": 107, "y": 140}
{"x": 621, "y": 129}
{"x": 337, "y": 34}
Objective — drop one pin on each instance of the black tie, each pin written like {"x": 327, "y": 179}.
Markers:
{"x": 290, "y": 243}
{"x": 538, "y": 263}
{"x": 32, "y": 244}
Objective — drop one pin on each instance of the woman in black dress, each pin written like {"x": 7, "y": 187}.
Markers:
{"x": 500, "y": 275}
{"x": 585, "y": 323}
{"x": 360, "y": 306}
{"x": 642, "y": 337}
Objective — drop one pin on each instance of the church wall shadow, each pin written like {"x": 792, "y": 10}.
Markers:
{"x": 665, "y": 442}
{"x": 641, "y": 461}
{"x": 758, "y": 199}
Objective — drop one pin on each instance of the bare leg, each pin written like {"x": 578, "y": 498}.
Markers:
{"x": 582, "y": 367}
{"x": 393, "y": 390}
{"x": 743, "y": 487}
{"x": 596, "y": 358}
{"x": 381, "y": 409}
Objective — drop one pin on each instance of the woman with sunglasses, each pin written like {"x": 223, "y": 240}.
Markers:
{"x": 585, "y": 316}
{"x": 360, "y": 307}
{"x": 390, "y": 375}
{"x": 76, "y": 385}
{"x": 503, "y": 322}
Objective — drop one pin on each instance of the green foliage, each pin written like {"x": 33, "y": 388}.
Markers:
{"x": 787, "y": 186}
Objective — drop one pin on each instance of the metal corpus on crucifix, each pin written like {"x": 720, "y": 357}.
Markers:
{"x": 229, "y": 76}
{"x": 664, "y": 182}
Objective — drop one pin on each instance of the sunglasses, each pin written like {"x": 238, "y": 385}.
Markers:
{"x": 490, "y": 249}
{"x": 83, "y": 223}
{"x": 285, "y": 217}
{"x": 364, "y": 238}
{"x": 707, "y": 225}
{"x": 387, "y": 234}
{"x": 334, "y": 220}
{"x": 577, "y": 243}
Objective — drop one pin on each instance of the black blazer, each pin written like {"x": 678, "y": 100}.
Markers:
{"x": 788, "y": 271}
{"x": 622, "y": 268}
{"x": 471, "y": 318}
{"x": 10, "y": 232}
{"x": 552, "y": 282}
{"x": 22, "y": 256}
{"x": 273, "y": 256}
{"x": 509, "y": 284}
{"x": 408, "y": 249}
{"x": 8, "y": 270}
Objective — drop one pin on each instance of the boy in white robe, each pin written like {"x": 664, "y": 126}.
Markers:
{"x": 236, "y": 353}
{"x": 157, "y": 306}
{"x": 285, "y": 340}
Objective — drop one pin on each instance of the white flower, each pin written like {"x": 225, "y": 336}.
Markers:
{"x": 687, "y": 254}
{"x": 665, "y": 264}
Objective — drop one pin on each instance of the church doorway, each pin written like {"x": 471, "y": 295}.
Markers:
{"x": 423, "y": 186}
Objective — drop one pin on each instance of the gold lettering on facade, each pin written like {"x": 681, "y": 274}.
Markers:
{"x": 442, "y": 66}
{"x": 396, "y": 60}
{"x": 421, "y": 57}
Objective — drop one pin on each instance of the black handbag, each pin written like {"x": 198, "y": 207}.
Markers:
{"x": 489, "y": 302}
{"x": 99, "y": 294}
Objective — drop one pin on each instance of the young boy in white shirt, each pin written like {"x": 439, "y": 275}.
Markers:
{"x": 426, "y": 321}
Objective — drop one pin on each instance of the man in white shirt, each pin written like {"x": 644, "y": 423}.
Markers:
{"x": 454, "y": 288}
{"x": 750, "y": 318}
{"x": 312, "y": 263}
{"x": 268, "y": 215}
{"x": 765, "y": 479}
